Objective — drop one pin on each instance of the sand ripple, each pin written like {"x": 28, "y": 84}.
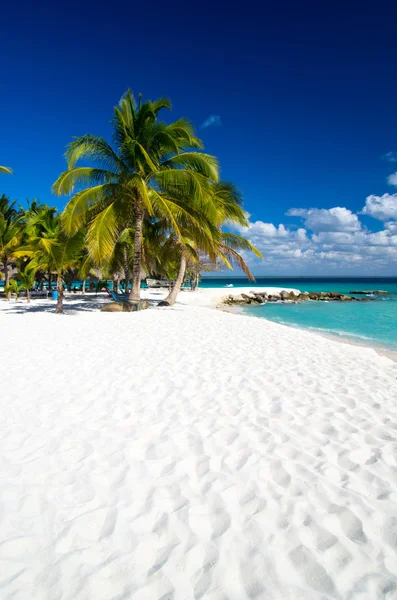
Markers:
{"x": 187, "y": 454}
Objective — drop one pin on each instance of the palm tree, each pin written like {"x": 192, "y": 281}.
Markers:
{"x": 53, "y": 250}
{"x": 6, "y": 170}
{"x": 10, "y": 236}
{"x": 83, "y": 266}
{"x": 38, "y": 220}
{"x": 220, "y": 246}
{"x": 134, "y": 179}
{"x": 27, "y": 277}
{"x": 13, "y": 287}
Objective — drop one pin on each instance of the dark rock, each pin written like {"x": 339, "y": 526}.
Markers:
{"x": 365, "y": 292}
{"x": 113, "y": 307}
{"x": 314, "y": 296}
{"x": 285, "y": 295}
{"x": 238, "y": 299}
{"x": 125, "y": 306}
{"x": 303, "y": 296}
{"x": 163, "y": 303}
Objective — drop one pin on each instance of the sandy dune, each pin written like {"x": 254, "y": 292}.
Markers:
{"x": 186, "y": 453}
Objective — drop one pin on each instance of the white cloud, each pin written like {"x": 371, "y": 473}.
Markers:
{"x": 264, "y": 230}
{"x": 390, "y": 156}
{"x": 337, "y": 237}
{"x": 382, "y": 208}
{"x": 301, "y": 235}
{"x": 347, "y": 249}
{"x": 391, "y": 226}
{"x": 392, "y": 179}
{"x": 323, "y": 219}
{"x": 212, "y": 120}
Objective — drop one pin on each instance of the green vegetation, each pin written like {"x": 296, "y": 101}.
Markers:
{"x": 10, "y": 238}
{"x": 151, "y": 202}
{"x": 27, "y": 277}
{"x": 13, "y": 288}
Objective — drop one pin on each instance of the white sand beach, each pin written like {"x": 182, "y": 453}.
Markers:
{"x": 187, "y": 453}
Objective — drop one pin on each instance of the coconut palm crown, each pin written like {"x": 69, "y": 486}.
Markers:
{"x": 135, "y": 177}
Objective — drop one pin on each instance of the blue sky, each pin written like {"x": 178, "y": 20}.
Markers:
{"x": 299, "y": 98}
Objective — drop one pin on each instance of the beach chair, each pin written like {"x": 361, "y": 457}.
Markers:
{"x": 118, "y": 297}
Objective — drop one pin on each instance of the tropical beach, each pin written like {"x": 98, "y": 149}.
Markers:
{"x": 155, "y": 446}
{"x": 198, "y": 302}
{"x": 163, "y": 440}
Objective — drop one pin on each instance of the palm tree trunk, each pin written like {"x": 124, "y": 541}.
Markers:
{"x": 171, "y": 298}
{"x": 195, "y": 281}
{"x": 135, "y": 294}
{"x": 6, "y": 278}
{"x": 59, "y": 308}
{"x": 27, "y": 296}
{"x": 49, "y": 281}
{"x": 83, "y": 287}
{"x": 68, "y": 281}
{"x": 127, "y": 272}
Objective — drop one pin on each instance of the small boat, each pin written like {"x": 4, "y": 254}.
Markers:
{"x": 157, "y": 283}
{"x": 229, "y": 285}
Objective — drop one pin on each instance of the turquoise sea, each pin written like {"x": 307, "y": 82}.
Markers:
{"x": 374, "y": 323}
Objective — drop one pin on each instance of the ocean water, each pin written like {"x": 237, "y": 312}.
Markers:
{"x": 373, "y": 323}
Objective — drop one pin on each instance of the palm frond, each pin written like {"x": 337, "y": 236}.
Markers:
{"x": 124, "y": 120}
{"x": 82, "y": 176}
{"x": 75, "y": 213}
{"x": 93, "y": 147}
{"x": 238, "y": 242}
{"x": 7, "y": 170}
{"x": 228, "y": 255}
{"x": 205, "y": 164}
{"x": 161, "y": 103}
{"x": 193, "y": 185}
{"x": 102, "y": 234}
{"x": 182, "y": 131}
{"x": 164, "y": 207}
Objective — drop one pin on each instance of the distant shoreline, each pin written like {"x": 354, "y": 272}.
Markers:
{"x": 301, "y": 277}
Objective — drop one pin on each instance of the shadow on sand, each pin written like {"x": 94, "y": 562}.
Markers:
{"x": 71, "y": 304}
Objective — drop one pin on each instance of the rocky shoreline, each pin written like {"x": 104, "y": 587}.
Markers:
{"x": 373, "y": 292}
{"x": 254, "y": 297}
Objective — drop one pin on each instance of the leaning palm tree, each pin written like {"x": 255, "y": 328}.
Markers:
{"x": 219, "y": 246}
{"x": 6, "y": 170}
{"x": 133, "y": 179}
